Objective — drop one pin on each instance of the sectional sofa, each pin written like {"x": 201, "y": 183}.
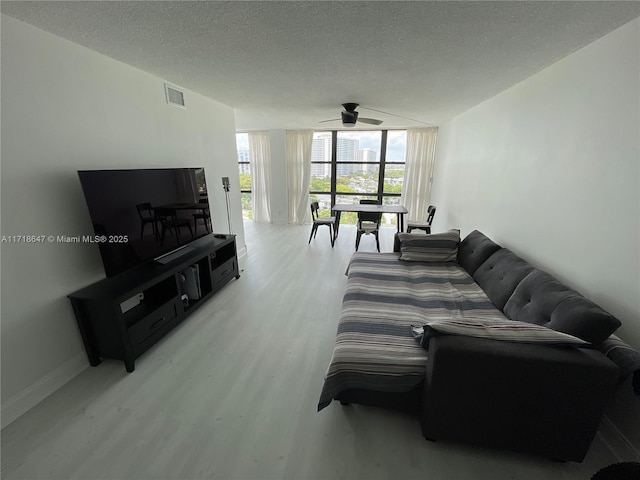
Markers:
{"x": 485, "y": 347}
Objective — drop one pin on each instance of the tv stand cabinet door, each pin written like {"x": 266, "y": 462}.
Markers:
{"x": 225, "y": 272}
{"x": 148, "y": 331}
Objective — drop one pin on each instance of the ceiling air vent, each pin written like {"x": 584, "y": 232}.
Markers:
{"x": 174, "y": 96}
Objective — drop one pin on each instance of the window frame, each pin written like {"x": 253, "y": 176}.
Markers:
{"x": 248, "y": 164}
{"x": 382, "y": 164}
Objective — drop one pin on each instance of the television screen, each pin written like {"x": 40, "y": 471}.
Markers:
{"x": 142, "y": 214}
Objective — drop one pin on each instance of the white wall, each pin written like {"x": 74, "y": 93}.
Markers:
{"x": 66, "y": 108}
{"x": 551, "y": 169}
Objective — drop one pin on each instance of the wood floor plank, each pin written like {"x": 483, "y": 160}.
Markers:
{"x": 232, "y": 394}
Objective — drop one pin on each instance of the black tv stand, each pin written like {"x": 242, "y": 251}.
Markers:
{"x": 123, "y": 316}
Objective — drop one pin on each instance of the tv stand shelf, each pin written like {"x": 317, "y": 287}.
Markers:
{"x": 121, "y": 317}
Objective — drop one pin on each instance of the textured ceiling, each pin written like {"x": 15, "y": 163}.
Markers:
{"x": 291, "y": 64}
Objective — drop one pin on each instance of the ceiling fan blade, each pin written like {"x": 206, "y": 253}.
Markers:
{"x": 399, "y": 116}
{"x": 371, "y": 121}
{"x": 332, "y": 120}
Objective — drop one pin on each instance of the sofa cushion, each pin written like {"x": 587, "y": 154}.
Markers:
{"x": 474, "y": 250}
{"x": 436, "y": 247}
{"x": 584, "y": 319}
{"x": 535, "y": 298}
{"x": 500, "y": 274}
{"x": 543, "y": 300}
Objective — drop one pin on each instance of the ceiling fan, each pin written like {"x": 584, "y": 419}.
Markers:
{"x": 350, "y": 116}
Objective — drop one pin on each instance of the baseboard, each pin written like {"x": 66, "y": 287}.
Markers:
{"x": 27, "y": 399}
{"x": 623, "y": 449}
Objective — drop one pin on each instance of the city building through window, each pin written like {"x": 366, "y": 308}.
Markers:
{"x": 348, "y": 166}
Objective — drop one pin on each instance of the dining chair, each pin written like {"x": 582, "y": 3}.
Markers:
{"x": 169, "y": 221}
{"x": 368, "y": 223}
{"x": 318, "y": 220}
{"x": 203, "y": 215}
{"x": 426, "y": 226}
{"x": 147, "y": 215}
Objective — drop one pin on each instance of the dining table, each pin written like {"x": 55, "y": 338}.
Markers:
{"x": 338, "y": 208}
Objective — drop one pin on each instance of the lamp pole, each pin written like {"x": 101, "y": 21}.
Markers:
{"x": 226, "y": 186}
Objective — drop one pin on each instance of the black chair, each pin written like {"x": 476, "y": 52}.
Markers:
{"x": 368, "y": 223}
{"x": 147, "y": 215}
{"x": 426, "y": 226}
{"x": 317, "y": 221}
{"x": 203, "y": 215}
{"x": 169, "y": 221}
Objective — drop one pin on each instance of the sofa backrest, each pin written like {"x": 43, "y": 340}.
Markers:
{"x": 526, "y": 294}
{"x": 474, "y": 250}
{"x": 543, "y": 300}
{"x": 500, "y": 274}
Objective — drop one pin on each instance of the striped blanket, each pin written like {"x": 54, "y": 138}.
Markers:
{"x": 375, "y": 346}
{"x": 384, "y": 297}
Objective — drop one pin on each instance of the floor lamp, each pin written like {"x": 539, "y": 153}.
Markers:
{"x": 226, "y": 186}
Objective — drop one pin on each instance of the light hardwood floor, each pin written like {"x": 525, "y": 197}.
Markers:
{"x": 232, "y": 394}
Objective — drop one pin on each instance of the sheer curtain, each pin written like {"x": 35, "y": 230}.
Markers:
{"x": 416, "y": 189}
{"x": 298, "y": 160}
{"x": 260, "y": 160}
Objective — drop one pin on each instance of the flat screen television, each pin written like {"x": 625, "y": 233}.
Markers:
{"x": 139, "y": 215}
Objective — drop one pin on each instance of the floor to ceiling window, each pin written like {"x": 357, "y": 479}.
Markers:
{"x": 244, "y": 169}
{"x": 347, "y": 166}
{"x": 321, "y": 178}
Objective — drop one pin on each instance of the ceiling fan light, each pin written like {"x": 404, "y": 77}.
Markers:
{"x": 349, "y": 119}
